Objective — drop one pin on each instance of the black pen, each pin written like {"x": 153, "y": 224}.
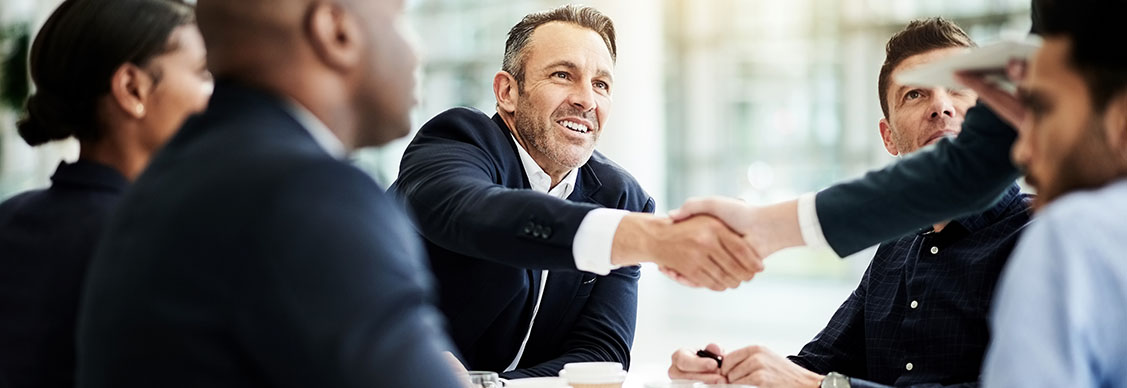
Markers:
{"x": 707, "y": 354}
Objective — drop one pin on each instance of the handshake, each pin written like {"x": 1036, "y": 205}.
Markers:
{"x": 716, "y": 243}
{"x": 753, "y": 365}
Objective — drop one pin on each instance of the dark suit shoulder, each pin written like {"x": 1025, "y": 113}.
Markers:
{"x": 319, "y": 193}
{"x": 463, "y": 113}
{"x": 329, "y": 178}
{"x": 616, "y": 179}
{"x": 338, "y": 196}
{"x": 19, "y": 201}
{"x": 464, "y": 123}
{"x": 611, "y": 173}
{"x": 82, "y": 211}
{"x": 459, "y": 138}
{"x": 231, "y": 151}
{"x": 619, "y": 189}
{"x": 470, "y": 126}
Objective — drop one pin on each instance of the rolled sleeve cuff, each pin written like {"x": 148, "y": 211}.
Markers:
{"x": 594, "y": 239}
{"x": 808, "y": 222}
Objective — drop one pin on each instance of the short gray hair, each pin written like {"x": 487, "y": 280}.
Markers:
{"x": 582, "y": 16}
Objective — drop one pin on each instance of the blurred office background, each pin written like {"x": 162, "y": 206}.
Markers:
{"x": 757, "y": 99}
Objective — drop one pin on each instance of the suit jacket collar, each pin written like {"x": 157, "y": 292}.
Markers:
{"x": 317, "y": 129}
{"x": 587, "y": 184}
{"x": 234, "y": 99}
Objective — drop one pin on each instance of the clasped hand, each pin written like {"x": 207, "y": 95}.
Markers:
{"x": 752, "y": 365}
{"x": 747, "y": 235}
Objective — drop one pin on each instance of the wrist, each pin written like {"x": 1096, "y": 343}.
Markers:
{"x": 777, "y": 227}
{"x": 633, "y": 239}
{"x": 835, "y": 380}
{"x": 815, "y": 380}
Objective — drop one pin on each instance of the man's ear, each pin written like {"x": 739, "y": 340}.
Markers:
{"x": 1115, "y": 125}
{"x": 886, "y": 136}
{"x": 506, "y": 90}
{"x": 130, "y": 88}
{"x": 335, "y": 36}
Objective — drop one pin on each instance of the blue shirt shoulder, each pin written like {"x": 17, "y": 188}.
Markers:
{"x": 1058, "y": 315}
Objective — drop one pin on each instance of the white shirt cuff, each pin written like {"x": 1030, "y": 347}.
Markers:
{"x": 808, "y": 222}
{"x": 594, "y": 239}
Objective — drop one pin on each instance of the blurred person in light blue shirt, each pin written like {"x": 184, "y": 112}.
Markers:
{"x": 1061, "y": 310}
{"x": 1061, "y": 304}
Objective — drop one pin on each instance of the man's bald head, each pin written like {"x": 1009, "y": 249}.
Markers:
{"x": 344, "y": 60}
{"x": 244, "y": 34}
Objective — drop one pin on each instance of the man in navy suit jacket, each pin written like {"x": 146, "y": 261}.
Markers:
{"x": 529, "y": 229}
{"x": 249, "y": 254}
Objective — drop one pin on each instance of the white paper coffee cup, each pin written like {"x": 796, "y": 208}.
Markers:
{"x": 538, "y": 382}
{"x": 594, "y": 374}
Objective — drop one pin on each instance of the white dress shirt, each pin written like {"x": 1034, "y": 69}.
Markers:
{"x": 592, "y": 244}
{"x": 320, "y": 132}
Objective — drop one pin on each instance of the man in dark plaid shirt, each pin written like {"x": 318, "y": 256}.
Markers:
{"x": 919, "y": 316}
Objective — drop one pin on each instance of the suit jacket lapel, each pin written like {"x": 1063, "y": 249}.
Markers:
{"x": 588, "y": 188}
{"x": 559, "y": 296}
{"x": 562, "y": 286}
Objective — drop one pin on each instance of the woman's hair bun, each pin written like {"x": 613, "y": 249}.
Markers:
{"x": 47, "y": 119}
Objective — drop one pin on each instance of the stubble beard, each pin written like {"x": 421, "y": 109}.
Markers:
{"x": 538, "y": 134}
{"x": 1091, "y": 164}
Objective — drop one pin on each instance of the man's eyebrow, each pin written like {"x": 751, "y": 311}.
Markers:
{"x": 574, "y": 67}
{"x": 605, "y": 74}
{"x": 562, "y": 63}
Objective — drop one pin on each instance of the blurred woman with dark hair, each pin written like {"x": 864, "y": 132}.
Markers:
{"x": 121, "y": 77}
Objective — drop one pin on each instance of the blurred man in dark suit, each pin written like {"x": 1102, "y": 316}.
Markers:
{"x": 529, "y": 229}
{"x": 249, "y": 254}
